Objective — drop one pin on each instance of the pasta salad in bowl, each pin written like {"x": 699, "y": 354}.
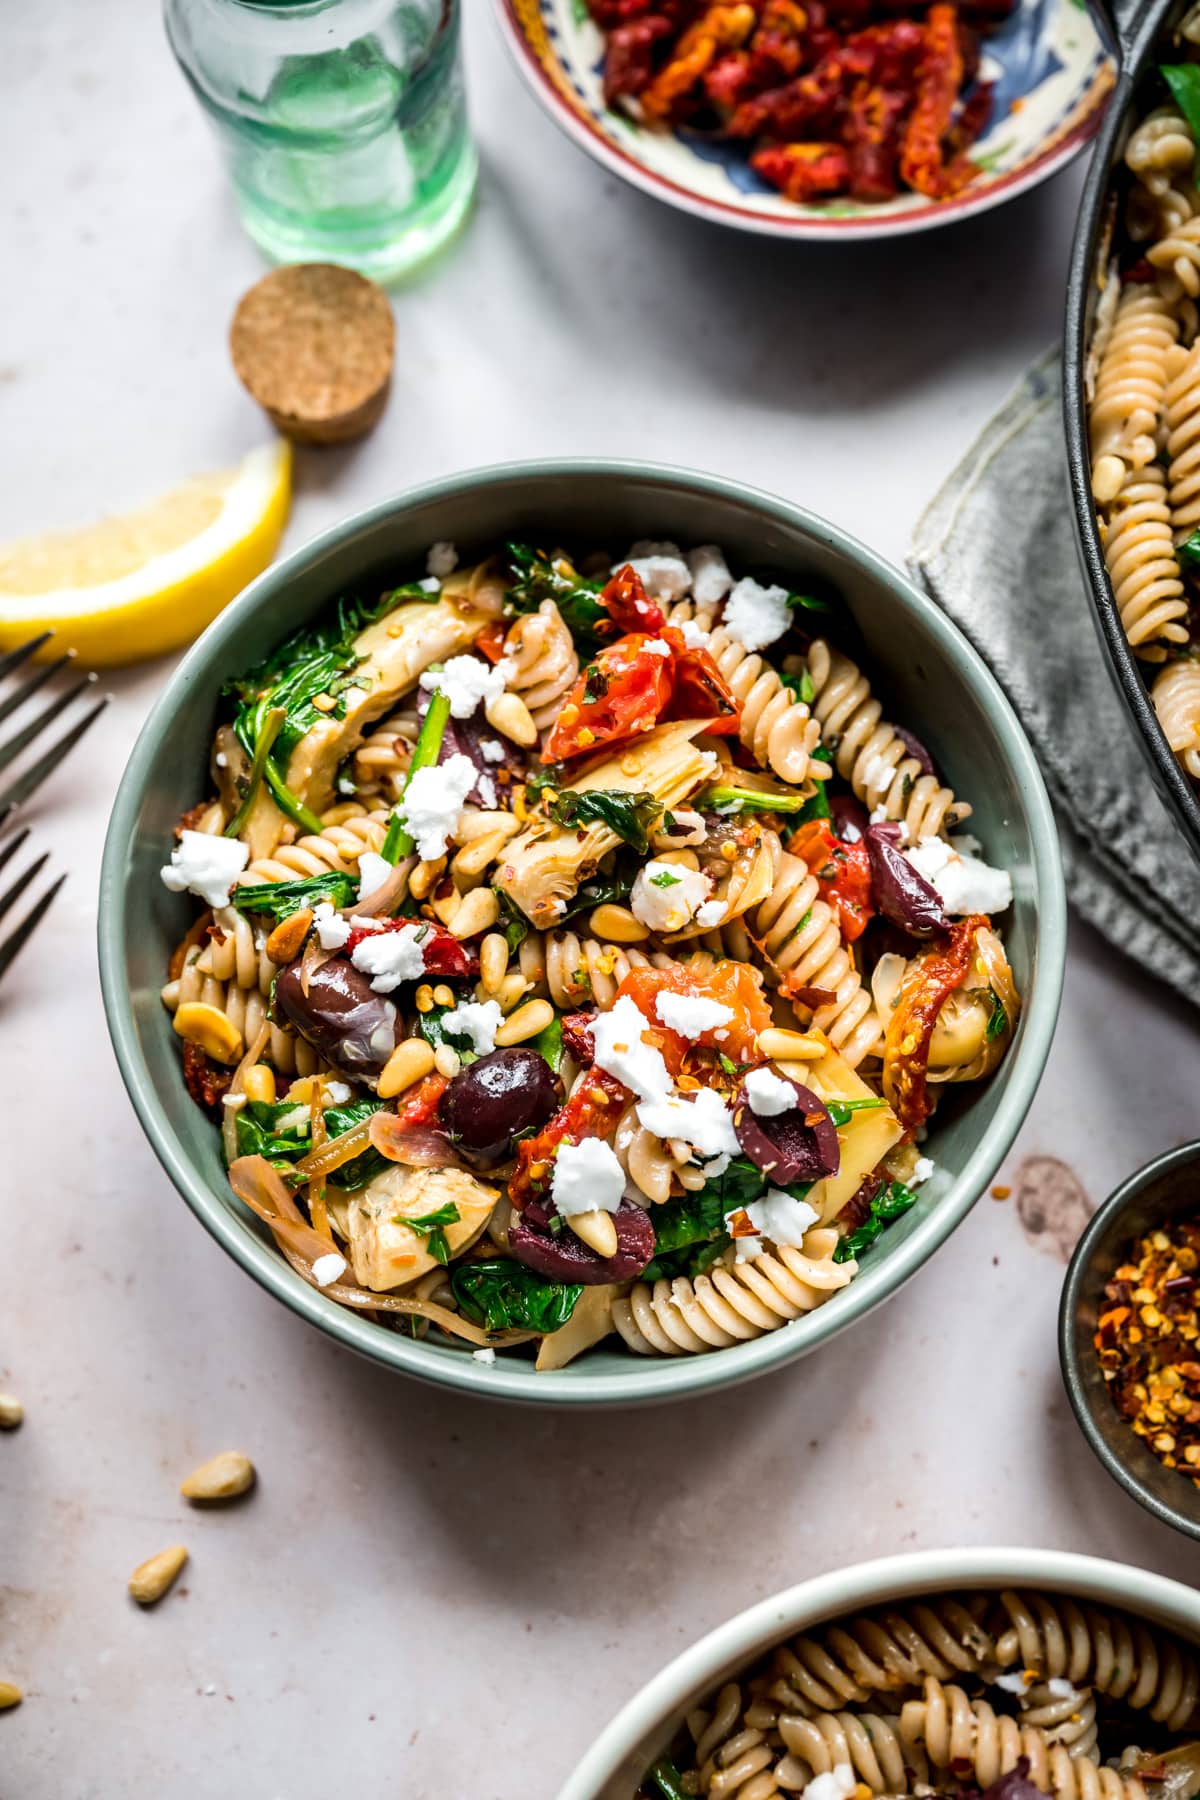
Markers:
{"x": 566, "y": 959}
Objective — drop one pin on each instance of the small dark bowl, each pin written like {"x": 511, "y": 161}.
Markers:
{"x": 1166, "y": 1189}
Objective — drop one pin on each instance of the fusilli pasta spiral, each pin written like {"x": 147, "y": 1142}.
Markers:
{"x": 1182, "y": 404}
{"x": 1139, "y": 553}
{"x": 346, "y": 831}
{"x": 1130, "y": 384}
{"x": 801, "y": 936}
{"x": 1176, "y": 696}
{"x": 736, "y": 1301}
{"x": 880, "y": 1653}
{"x": 957, "y": 1732}
{"x": 1059, "y": 1638}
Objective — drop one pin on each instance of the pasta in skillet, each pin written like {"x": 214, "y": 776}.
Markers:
{"x": 1144, "y": 405}
{"x": 948, "y": 1696}
{"x": 568, "y": 969}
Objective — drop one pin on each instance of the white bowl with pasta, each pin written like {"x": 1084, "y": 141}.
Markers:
{"x": 942, "y": 1668}
{"x": 651, "y": 1263}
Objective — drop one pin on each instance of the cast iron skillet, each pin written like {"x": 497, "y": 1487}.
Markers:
{"x": 1141, "y": 29}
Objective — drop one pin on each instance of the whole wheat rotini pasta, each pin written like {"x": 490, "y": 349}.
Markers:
{"x": 1176, "y": 696}
{"x": 1130, "y": 384}
{"x": 528, "y": 986}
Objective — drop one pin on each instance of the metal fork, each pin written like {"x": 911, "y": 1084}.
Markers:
{"x": 21, "y": 786}
{"x": 19, "y": 936}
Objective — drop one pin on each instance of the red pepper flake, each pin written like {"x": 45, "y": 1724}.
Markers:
{"x": 1146, "y": 1343}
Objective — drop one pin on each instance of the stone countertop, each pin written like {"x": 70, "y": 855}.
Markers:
{"x": 428, "y": 1596}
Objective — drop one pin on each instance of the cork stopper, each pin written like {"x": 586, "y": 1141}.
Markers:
{"x": 313, "y": 344}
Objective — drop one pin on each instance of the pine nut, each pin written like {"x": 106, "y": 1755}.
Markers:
{"x": 151, "y": 1579}
{"x": 259, "y": 1084}
{"x": 425, "y": 878}
{"x": 211, "y": 1029}
{"x": 447, "y": 1061}
{"x": 785, "y": 1046}
{"x": 475, "y": 857}
{"x": 475, "y": 825}
{"x": 222, "y": 1477}
{"x": 443, "y": 995}
{"x": 686, "y": 859}
{"x": 510, "y": 715}
{"x": 525, "y": 1023}
{"x": 11, "y": 1412}
{"x": 424, "y": 998}
{"x": 493, "y": 961}
{"x": 479, "y": 911}
{"x": 597, "y": 1230}
{"x": 409, "y": 1062}
{"x": 512, "y": 989}
{"x": 287, "y": 940}
{"x": 445, "y": 906}
{"x": 617, "y": 925}
{"x": 10, "y": 1695}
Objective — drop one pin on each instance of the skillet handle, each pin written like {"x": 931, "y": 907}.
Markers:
{"x": 1121, "y": 22}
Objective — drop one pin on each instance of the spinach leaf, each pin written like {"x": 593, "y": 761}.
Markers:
{"x": 814, "y": 601}
{"x": 689, "y": 1260}
{"x": 503, "y": 1295}
{"x": 666, "y": 1779}
{"x": 841, "y": 1111}
{"x": 594, "y": 892}
{"x": 549, "y": 1043}
{"x": 361, "y": 1169}
{"x": 1189, "y": 551}
{"x": 512, "y": 922}
{"x": 997, "y": 1023}
{"x": 887, "y": 1205}
{"x": 817, "y": 805}
{"x": 801, "y": 686}
{"x": 694, "y": 1218}
{"x": 534, "y": 578}
{"x": 432, "y": 1227}
{"x": 278, "y": 900}
{"x": 1183, "y": 79}
{"x": 258, "y": 1134}
{"x": 432, "y": 1028}
{"x": 628, "y": 815}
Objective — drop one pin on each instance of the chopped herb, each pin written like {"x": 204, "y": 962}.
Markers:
{"x": 729, "y": 1066}
{"x": 666, "y": 1778}
{"x": 818, "y": 603}
{"x": 501, "y": 1295}
{"x": 595, "y": 684}
{"x": 534, "y": 578}
{"x": 800, "y": 924}
{"x": 997, "y": 1023}
{"x": 887, "y": 1205}
{"x": 801, "y": 686}
{"x": 841, "y": 1111}
{"x": 629, "y": 816}
{"x": 664, "y": 879}
{"x": 431, "y": 1226}
{"x": 278, "y": 900}
{"x": 1183, "y": 79}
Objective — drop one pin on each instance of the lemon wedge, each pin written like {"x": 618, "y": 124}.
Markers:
{"x": 151, "y": 580}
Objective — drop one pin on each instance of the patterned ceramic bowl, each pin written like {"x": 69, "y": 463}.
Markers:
{"x": 1052, "y": 69}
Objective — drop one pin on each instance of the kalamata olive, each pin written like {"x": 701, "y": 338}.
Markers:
{"x": 901, "y": 894}
{"x": 568, "y": 1258}
{"x": 800, "y": 1144}
{"x": 849, "y": 817}
{"x": 916, "y": 750}
{"x": 465, "y": 737}
{"x": 493, "y": 1099}
{"x": 341, "y": 1016}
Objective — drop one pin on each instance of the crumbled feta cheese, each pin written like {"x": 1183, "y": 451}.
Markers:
{"x": 1015, "y": 1682}
{"x": 338, "y": 1093}
{"x": 478, "y": 1021}
{"x": 483, "y": 1356}
{"x": 694, "y": 634}
{"x": 431, "y": 803}
{"x": 234, "y": 1102}
{"x": 486, "y": 789}
{"x": 711, "y": 580}
{"x": 346, "y": 784}
{"x": 297, "y": 1122}
{"x": 391, "y": 957}
{"x": 429, "y": 584}
{"x": 328, "y": 1268}
{"x": 665, "y": 895}
{"x": 756, "y": 615}
{"x": 663, "y": 577}
{"x": 205, "y": 865}
{"x": 702, "y": 1120}
{"x": 491, "y": 750}
{"x": 442, "y": 558}
{"x": 652, "y": 547}
{"x": 373, "y": 871}
{"x": 922, "y": 1170}
{"x": 879, "y": 817}
{"x": 221, "y": 760}
{"x": 1059, "y": 1688}
{"x": 718, "y": 1166}
{"x": 711, "y": 913}
{"x": 587, "y": 1178}
{"x": 465, "y": 681}
{"x": 877, "y": 772}
{"x": 779, "y": 1217}
{"x": 837, "y": 1783}
{"x": 617, "y": 1036}
{"x": 687, "y": 827}
{"x": 964, "y": 884}
{"x": 769, "y": 1094}
{"x": 657, "y": 647}
{"x": 690, "y": 1014}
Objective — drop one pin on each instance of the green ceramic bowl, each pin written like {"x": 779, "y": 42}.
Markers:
{"x": 934, "y": 681}
{"x": 625, "y": 1749}
{"x": 1163, "y": 1190}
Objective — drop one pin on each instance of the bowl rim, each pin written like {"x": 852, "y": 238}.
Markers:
{"x": 659, "y": 1379}
{"x": 866, "y": 1584}
{"x": 1068, "y": 1349}
{"x": 803, "y": 228}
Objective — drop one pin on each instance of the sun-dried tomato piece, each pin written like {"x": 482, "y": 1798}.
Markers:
{"x": 629, "y": 64}
{"x": 720, "y": 28}
{"x": 939, "y": 80}
{"x": 930, "y": 979}
{"x": 803, "y": 171}
{"x": 873, "y": 123}
{"x": 190, "y": 820}
{"x": 729, "y": 80}
{"x": 205, "y": 1082}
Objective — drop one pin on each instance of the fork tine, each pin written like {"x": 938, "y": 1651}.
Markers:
{"x": 23, "y": 881}
{"x": 38, "y": 679}
{"x": 16, "y": 657}
{"x": 33, "y": 777}
{"x": 17, "y": 939}
{"x": 13, "y": 748}
{"x": 14, "y": 844}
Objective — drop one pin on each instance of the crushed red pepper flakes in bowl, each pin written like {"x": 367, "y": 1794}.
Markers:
{"x": 1148, "y": 1343}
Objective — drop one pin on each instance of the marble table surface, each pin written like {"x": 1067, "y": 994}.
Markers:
{"x": 427, "y": 1596}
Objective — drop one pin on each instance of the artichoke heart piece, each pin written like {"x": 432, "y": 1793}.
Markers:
{"x": 384, "y": 1251}
{"x": 865, "y": 1138}
{"x": 544, "y": 865}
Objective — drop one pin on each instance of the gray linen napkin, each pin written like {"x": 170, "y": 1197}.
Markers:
{"x": 996, "y": 551}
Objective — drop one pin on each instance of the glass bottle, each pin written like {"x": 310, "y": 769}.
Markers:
{"x": 343, "y": 123}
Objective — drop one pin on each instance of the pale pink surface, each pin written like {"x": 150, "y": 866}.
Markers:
{"x": 427, "y": 1596}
